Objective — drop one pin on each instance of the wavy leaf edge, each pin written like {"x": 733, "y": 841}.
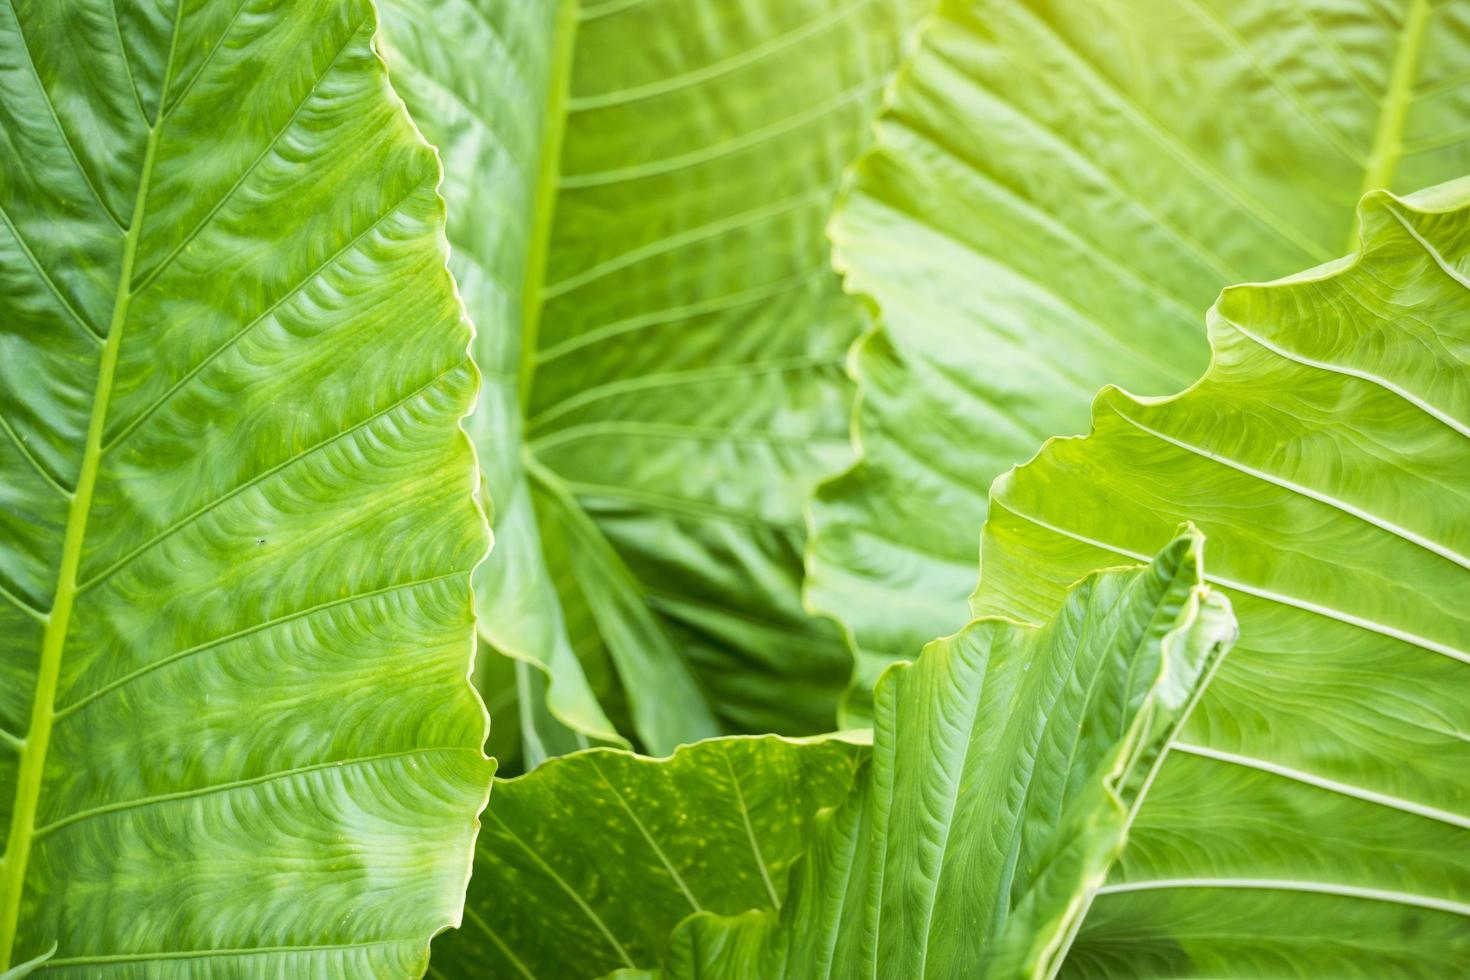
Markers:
{"x": 482, "y": 503}
{"x": 1129, "y": 769}
{"x": 1444, "y": 198}
{"x": 875, "y": 332}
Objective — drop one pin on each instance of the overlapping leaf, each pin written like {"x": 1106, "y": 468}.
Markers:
{"x": 605, "y": 852}
{"x": 638, "y": 192}
{"x": 236, "y": 735}
{"x": 1006, "y": 765}
{"x": 1058, "y": 192}
{"x": 1314, "y": 817}
{"x": 1007, "y": 762}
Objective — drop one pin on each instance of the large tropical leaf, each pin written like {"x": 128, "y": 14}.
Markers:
{"x": 1005, "y": 766}
{"x": 637, "y": 195}
{"x": 589, "y": 862}
{"x": 1314, "y": 817}
{"x": 1059, "y": 191}
{"x": 1007, "y": 763}
{"x": 238, "y": 525}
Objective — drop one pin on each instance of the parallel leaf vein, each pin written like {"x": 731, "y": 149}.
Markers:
{"x": 571, "y": 892}
{"x": 195, "y": 515}
{"x": 149, "y": 277}
{"x": 239, "y": 634}
{"x": 143, "y": 414}
{"x": 234, "y": 784}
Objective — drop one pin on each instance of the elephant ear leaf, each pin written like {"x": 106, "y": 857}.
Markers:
{"x": 637, "y": 197}
{"x": 238, "y": 525}
{"x": 605, "y": 851}
{"x": 1007, "y": 763}
{"x": 1058, "y": 192}
{"x": 1313, "y": 817}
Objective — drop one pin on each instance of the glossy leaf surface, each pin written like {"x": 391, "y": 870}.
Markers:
{"x": 637, "y": 196}
{"x": 1058, "y": 193}
{"x": 1314, "y": 817}
{"x": 236, "y": 513}
{"x": 1006, "y": 763}
{"x": 605, "y": 852}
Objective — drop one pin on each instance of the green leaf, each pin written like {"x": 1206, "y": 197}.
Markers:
{"x": 1007, "y": 762}
{"x": 1006, "y": 765}
{"x": 237, "y": 525}
{"x": 637, "y": 195}
{"x": 1057, "y": 194}
{"x": 22, "y": 970}
{"x": 589, "y": 862}
{"x": 1313, "y": 819}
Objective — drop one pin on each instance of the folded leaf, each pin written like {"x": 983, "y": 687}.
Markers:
{"x": 589, "y": 862}
{"x": 1314, "y": 818}
{"x": 1058, "y": 192}
{"x": 236, "y": 735}
{"x": 637, "y": 196}
{"x": 1007, "y": 762}
{"x": 1006, "y": 765}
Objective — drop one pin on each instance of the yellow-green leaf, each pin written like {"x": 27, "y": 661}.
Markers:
{"x": 1058, "y": 192}
{"x": 1313, "y": 818}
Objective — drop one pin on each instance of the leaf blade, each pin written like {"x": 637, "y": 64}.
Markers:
{"x": 263, "y": 423}
{"x": 1315, "y": 454}
{"x": 715, "y": 826}
{"x": 680, "y": 379}
{"x": 998, "y": 796}
{"x": 1057, "y": 194}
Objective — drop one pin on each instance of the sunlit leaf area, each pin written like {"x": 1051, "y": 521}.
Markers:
{"x": 735, "y": 489}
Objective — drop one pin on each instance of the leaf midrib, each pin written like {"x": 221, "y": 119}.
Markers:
{"x": 38, "y": 735}
{"x": 1388, "y": 136}
{"x": 548, "y": 177}
{"x": 535, "y": 290}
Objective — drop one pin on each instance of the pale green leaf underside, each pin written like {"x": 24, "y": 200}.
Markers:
{"x": 593, "y": 859}
{"x": 1006, "y": 762}
{"x": 236, "y": 522}
{"x": 1314, "y": 818}
{"x": 637, "y": 196}
{"x": 1058, "y": 193}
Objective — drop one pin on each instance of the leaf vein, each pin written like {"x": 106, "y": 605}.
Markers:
{"x": 643, "y": 831}
{"x": 151, "y": 276}
{"x": 234, "y": 784}
{"x": 290, "y": 293}
{"x": 1331, "y": 785}
{"x": 195, "y": 515}
{"x": 571, "y": 892}
{"x": 219, "y": 641}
